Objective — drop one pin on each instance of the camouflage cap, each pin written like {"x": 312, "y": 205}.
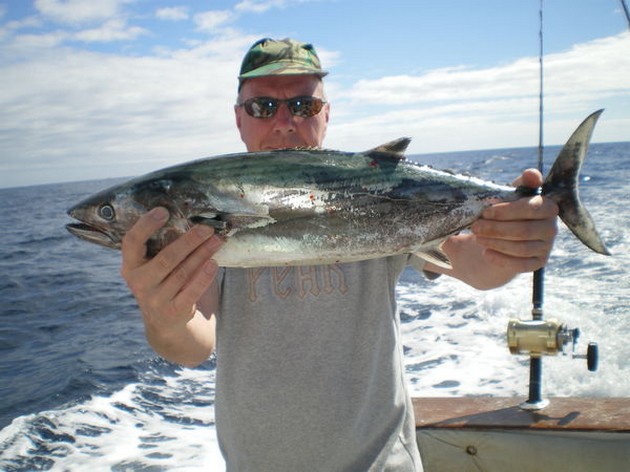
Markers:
{"x": 284, "y": 57}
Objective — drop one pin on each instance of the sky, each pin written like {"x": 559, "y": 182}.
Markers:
{"x": 109, "y": 88}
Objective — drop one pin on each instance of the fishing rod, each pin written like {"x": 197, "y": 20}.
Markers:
{"x": 626, "y": 11}
{"x": 537, "y": 337}
{"x": 535, "y": 363}
{"x": 535, "y": 400}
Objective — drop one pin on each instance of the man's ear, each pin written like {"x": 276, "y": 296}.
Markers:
{"x": 237, "y": 114}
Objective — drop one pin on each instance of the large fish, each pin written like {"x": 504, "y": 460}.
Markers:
{"x": 305, "y": 206}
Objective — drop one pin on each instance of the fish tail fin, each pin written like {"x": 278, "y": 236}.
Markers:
{"x": 561, "y": 185}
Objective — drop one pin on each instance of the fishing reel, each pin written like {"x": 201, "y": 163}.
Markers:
{"x": 538, "y": 337}
{"x": 548, "y": 337}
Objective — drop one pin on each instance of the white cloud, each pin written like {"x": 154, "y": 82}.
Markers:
{"x": 78, "y": 11}
{"x": 26, "y": 43}
{"x": 214, "y": 20}
{"x": 211, "y": 21}
{"x": 172, "y": 13}
{"x": 259, "y": 6}
{"x": 110, "y": 30}
{"x": 71, "y": 114}
{"x": 455, "y": 107}
{"x": 10, "y": 28}
{"x": 110, "y": 26}
{"x": 79, "y": 115}
{"x": 598, "y": 66}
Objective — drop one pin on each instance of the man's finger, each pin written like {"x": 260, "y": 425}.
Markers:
{"x": 531, "y": 178}
{"x": 186, "y": 300}
{"x": 533, "y": 230}
{"x": 522, "y": 249}
{"x": 188, "y": 272}
{"x": 134, "y": 242}
{"x": 516, "y": 264}
{"x": 176, "y": 252}
{"x": 532, "y": 208}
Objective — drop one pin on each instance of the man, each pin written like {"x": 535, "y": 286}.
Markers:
{"x": 310, "y": 373}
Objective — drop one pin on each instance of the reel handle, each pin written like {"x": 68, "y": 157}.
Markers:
{"x": 592, "y": 356}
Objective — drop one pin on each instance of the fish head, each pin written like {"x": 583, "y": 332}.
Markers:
{"x": 105, "y": 217}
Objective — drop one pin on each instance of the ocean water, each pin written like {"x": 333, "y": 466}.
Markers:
{"x": 80, "y": 388}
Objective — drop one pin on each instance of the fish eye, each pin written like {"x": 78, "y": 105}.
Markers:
{"x": 106, "y": 212}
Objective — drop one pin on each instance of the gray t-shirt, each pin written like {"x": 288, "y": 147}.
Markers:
{"x": 310, "y": 373}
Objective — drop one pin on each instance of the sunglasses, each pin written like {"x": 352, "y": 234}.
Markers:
{"x": 266, "y": 107}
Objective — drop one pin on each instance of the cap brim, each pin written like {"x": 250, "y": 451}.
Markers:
{"x": 282, "y": 69}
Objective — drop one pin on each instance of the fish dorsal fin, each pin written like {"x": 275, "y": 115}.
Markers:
{"x": 394, "y": 149}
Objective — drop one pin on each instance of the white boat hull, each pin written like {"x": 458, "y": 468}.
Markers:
{"x": 488, "y": 434}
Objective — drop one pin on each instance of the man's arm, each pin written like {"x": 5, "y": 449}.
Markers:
{"x": 176, "y": 290}
{"x": 509, "y": 239}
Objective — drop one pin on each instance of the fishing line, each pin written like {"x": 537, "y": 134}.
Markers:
{"x": 540, "y": 96}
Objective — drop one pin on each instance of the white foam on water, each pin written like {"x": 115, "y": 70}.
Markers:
{"x": 130, "y": 430}
{"x": 455, "y": 347}
{"x": 456, "y": 336}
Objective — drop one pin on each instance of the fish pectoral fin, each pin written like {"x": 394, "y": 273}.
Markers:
{"x": 435, "y": 255}
{"x": 210, "y": 219}
{"x": 227, "y": 223}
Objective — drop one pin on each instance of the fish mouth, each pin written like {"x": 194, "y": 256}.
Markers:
{"x": 93, "y": 234}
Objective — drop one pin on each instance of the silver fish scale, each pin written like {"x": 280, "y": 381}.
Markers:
{"x": 338, "y": 206}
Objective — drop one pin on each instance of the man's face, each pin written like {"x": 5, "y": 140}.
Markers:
{"x": 283, "y": 130}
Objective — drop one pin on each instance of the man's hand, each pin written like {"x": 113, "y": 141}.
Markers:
{"x": 169, "y": 287}
{"x": 519, "y": 235}
{"x": 508, "y": 239}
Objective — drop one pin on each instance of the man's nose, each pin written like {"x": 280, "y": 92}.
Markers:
{"x": 284, "y": 121}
